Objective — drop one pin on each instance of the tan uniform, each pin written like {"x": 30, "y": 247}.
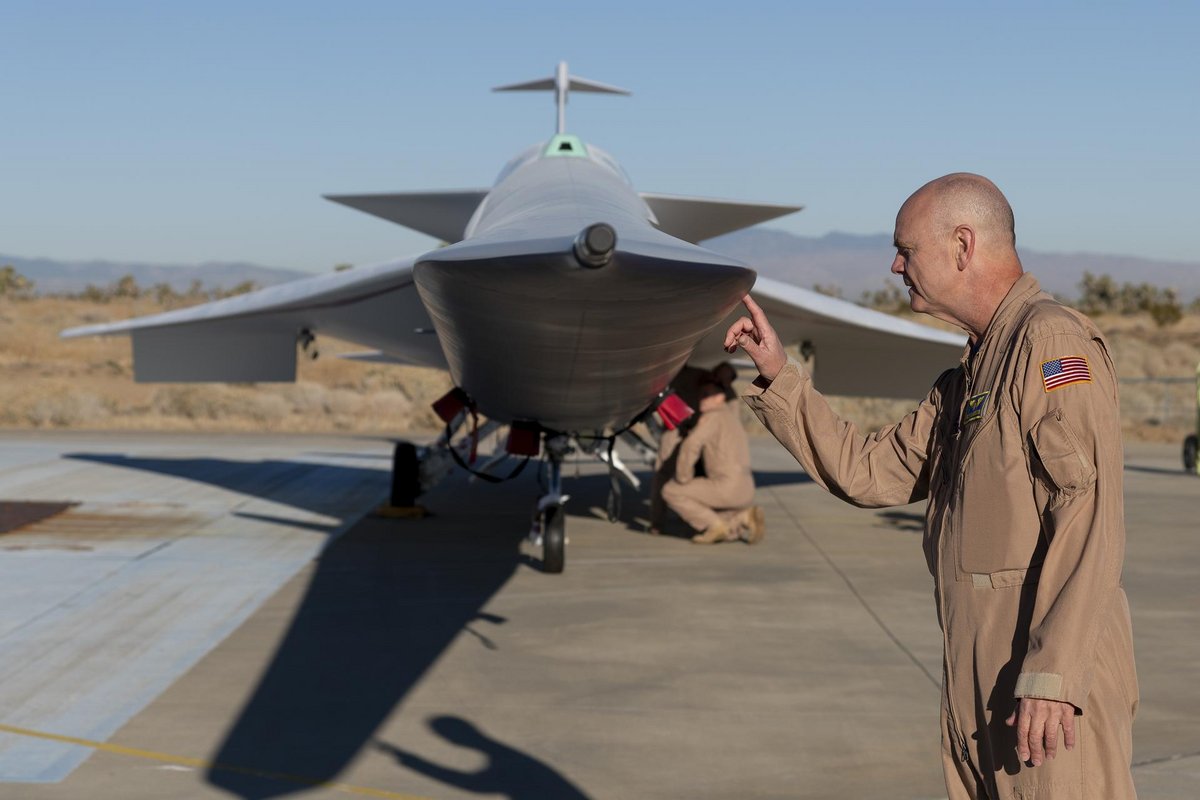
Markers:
{"x": 1019, "y": 454}
{"x": 687, "y": 386}
{"x": 729, "y": 486}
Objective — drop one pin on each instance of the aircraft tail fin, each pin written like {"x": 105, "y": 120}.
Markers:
{"x": 562, "y": 83}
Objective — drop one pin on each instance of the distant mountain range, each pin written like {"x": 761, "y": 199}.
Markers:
{"x": 858, "y": 263}
{"x": 61, "y": 277}
{"x": 852, "y": 262}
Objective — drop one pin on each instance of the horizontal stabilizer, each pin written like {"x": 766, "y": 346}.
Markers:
{"x": 574, "y": 84}
{"x": 694, "y": 219}
{"x": 562, "y": 83}
{"x": 442, "y": 215}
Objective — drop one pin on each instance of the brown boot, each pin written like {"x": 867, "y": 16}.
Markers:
{"x": 752, "y": 524}
{"x": 714, "y": 534}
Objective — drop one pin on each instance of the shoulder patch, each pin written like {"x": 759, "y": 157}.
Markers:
{"x": 973, "y": 410}
{"x": 1064, "y": 371}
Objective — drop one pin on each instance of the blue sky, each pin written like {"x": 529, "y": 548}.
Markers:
{"x": 189, "y": 132}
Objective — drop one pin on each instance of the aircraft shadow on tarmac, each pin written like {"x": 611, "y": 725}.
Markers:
{"x": 379, "y": 610}
{"x": 268, "y": 479}
{"x": 383, "y": 602}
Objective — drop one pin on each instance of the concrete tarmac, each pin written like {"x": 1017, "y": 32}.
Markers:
{"x": 433, "y": 659}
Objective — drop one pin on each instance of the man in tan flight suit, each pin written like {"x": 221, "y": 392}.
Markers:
{"x": 718, "y": 505}
{"x": 1018, "y": 451}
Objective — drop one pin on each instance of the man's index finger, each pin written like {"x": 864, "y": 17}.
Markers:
{"x": 756, "y": 313}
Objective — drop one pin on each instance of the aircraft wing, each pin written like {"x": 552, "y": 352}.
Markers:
{"x": 253, "y": 337}
{"x": 694, "y": 219}
{"x": 442, "y": 215}
{"x": 859, "y": 352}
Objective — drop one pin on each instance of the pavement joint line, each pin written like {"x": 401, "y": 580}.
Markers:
{"x": 1149, "y": 762}
{"x": 862, "y": 600}
{"x": 205, "y": 764}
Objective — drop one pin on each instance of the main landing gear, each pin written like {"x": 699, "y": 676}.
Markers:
{"x": 417, "y": 469}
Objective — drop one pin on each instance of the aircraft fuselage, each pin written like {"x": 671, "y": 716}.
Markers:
{"x": 532, "y": 333}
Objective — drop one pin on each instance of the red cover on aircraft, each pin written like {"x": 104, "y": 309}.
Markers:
{"x": 524, "y": 440}
{"x": 672, "y": 411}
{"x": 450, "y": 404}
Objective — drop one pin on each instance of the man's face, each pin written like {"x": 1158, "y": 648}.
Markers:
{"x": 925, "y": 260}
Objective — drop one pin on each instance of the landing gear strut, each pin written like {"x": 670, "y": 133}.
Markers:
{"x": 550, "y": 529}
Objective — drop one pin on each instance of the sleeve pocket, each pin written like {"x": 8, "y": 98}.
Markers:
{"x": 1065, "y": 468}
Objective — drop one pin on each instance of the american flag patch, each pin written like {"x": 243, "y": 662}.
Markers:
{"x": 1060, "y": 372}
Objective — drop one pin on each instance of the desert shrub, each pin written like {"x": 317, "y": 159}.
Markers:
{"x": 14, "y": 285}
{"x": 1166, "y": 311}
{"x": 387, "y": 404}
{"x": 306, "y": 398}
{"x": 889, "y": 299}
{"x": 126, "y": 288}
{"x": 66, "y": 409}
{"x": 218, "y": 402}
{"x": 1100, "y": 294}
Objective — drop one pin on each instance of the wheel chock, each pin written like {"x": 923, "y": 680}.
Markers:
{"x": 401, "y": 512}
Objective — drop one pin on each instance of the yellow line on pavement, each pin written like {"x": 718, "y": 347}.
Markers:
{"x": 200, "y": 763}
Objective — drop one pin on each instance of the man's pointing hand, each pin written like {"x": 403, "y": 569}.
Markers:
{"x": 756, "y": 336}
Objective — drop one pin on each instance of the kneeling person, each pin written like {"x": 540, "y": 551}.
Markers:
{"x": 719, "y": 505}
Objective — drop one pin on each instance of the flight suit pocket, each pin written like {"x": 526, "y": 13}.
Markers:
{"x": 998, "y": 526}
{"x": 1064, "y": 469}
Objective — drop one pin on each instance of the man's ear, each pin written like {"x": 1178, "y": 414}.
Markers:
{"x": 964, "y": 245}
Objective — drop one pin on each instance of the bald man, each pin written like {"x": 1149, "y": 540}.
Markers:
{"x": 1018, "y": 451}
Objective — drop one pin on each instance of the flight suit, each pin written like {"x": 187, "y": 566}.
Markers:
{"x": 687, "y": 386}
{"x": 1018, "y": 452}
{"x": 728, "y": 487}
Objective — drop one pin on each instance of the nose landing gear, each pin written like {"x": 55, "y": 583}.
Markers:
{"x": 549, "y": 525}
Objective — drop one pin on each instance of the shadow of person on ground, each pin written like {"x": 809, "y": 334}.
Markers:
{"x": 508, "y": 772}
{"x": 904, "y": 521}
{"x": 382, "y": 604}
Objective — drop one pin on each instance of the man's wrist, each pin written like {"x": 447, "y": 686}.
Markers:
{"x": 771, "y": 372}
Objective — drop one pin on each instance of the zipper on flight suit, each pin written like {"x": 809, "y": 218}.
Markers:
{"x": 952, "y": 497}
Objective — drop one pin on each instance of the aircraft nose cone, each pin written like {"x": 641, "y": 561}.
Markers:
{"x": 595, "y": 245}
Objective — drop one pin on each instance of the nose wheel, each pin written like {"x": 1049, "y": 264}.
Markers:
{"x": 550, "y": 519}
{"x": 554, "y": 539}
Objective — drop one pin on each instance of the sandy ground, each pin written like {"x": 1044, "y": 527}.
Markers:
{"x": 88, "y": 384}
